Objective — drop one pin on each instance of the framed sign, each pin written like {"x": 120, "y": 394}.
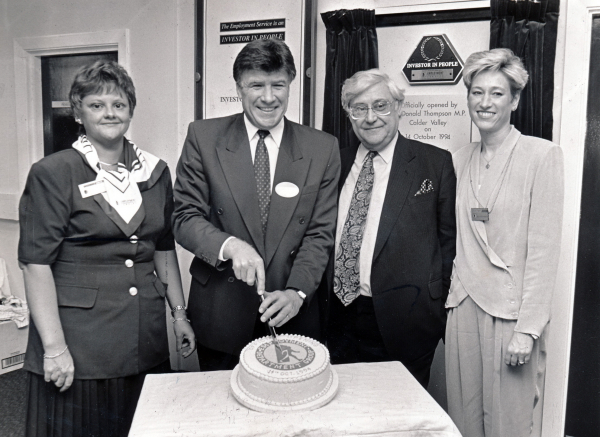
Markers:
{"x": 227, "y": 25}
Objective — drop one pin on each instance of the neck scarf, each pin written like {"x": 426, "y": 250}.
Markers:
{"x": 122, "y": 191}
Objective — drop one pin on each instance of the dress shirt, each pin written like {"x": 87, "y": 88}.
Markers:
{"x": 382, "y": 164}
{"x": 272, "y": 141}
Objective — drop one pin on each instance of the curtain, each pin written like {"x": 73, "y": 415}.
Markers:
{"x": 351, "y": 40}
{"x": 528, "y": 28}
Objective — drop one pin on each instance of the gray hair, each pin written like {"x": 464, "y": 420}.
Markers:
{"x": 502, "y": 60}
{"x": 362, "y": 80}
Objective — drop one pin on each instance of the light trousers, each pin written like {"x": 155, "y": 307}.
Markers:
{"x": 487, "y": 398}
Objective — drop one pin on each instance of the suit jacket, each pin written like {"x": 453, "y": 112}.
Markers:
{"x": 414, "y": 249}
{"x": 215, "y": 197}
{"x": 110, "y": 302}
{"x": 508, "y": 264}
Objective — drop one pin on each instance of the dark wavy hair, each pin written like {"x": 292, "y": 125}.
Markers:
{"x": 100, "y": 77}
{"x": 268, "y": 55}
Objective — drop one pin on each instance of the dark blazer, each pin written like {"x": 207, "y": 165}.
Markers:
{"x": 110, "y": 302}
{"x": 215, "y": 197}
{"x": 414, "y": 249}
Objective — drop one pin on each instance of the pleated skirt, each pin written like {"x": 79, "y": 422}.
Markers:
{"x": 89, "y": 408}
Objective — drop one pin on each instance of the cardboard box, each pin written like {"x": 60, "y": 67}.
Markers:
{"x": 13, "y": 342}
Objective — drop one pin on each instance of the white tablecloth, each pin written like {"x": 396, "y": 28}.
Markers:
{"x": 375, "y": 399}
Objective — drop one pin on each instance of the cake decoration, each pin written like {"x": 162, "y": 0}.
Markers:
{"x": 297, "y": 375}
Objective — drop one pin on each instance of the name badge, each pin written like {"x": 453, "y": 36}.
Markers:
{"x": 480, "y": 214}
{"x": 92, "y": 188}
{"x": 287, "y": 189}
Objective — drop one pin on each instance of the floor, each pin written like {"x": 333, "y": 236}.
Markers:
{"x": 12, "y": 403}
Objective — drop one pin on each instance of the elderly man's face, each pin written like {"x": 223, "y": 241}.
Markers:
{"x": 376, "y": 131}
{"x": 264, "y": 96}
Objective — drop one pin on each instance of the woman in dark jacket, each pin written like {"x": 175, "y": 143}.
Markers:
{"x": 95, "y": 233}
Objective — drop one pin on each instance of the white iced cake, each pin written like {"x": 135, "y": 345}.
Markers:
{"x": 295, "y": 376}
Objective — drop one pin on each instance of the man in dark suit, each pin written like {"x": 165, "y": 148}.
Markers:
{"x": 255, "y": 202}
{"x": 395, "y": 239}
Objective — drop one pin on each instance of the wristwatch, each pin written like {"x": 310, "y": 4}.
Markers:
{"x": 300, "y": 292}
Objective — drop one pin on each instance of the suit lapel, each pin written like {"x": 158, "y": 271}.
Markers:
{"x": 472, "y": 176}
{"x": 347, "y": 157}
{"x": 291, "y": 167}
{"x": 399, "y": 183}
{"x": 236, "y": 161}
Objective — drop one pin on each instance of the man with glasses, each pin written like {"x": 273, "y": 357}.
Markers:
{"x": 395, "y": 237}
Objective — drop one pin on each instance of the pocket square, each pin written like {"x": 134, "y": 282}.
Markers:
{"x": 426, "y": 187}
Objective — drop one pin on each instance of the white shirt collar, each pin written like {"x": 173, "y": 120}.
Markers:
{"x": 387, "y": 153}
{"x": 276, "y": 132}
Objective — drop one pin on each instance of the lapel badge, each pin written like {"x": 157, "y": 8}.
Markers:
{"x": 287, "y": 189}
{"x": 426, "y": 187}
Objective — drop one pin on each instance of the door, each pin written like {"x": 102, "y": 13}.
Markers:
{"x": 60, "y": 128}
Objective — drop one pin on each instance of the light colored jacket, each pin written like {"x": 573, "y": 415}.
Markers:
{"x": 508, "y": 264}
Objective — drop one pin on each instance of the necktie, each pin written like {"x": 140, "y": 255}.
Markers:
{"x": 262, "y": 173}
{"x": 346, "y": 283}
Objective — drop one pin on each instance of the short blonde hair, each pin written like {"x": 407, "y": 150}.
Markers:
{"x": 362, "y": 80}
{"x": 502, "y": 60}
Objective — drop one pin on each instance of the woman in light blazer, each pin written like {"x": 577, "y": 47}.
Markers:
{"x": 509, "y": 207}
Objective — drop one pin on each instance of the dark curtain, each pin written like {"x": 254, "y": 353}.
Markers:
{"x": 528, "y": 28}
{"x": 351, "y": 47}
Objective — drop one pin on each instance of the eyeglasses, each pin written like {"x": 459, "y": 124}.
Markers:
{"x": 381, "y": 107}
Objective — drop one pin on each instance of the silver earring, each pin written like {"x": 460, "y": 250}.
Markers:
{"x": 78, "y": 120}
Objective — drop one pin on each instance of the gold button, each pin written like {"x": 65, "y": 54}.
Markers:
{"x": 133, "y": 239}
{"x": 133, "y": 291}
{"x": 129, "y": 263}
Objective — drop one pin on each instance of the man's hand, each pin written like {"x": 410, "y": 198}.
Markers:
{"x": 519, "y": 349}
{"x": 246, "y": 263}
{"x": 281, "y": 306}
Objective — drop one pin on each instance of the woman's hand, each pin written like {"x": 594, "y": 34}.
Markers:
{"x": 519, "y": 349}
{"x": 60, "y": 370}
{"x": 185, "y": 336}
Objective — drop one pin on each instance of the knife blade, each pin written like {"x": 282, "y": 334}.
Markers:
{"x": 271, "y": 328}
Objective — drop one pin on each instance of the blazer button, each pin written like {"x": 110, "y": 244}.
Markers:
{"x": 220, "y": 211}
{"x": 231, "y": 279}
{"x": 129, "y": 263}
{"x": 292, "y": 253}
{"x": 301, "y": 221}
{"x": 133, "y": 291}
{"x": 133, "y": 239}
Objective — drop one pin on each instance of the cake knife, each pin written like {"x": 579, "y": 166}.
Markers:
{"x": 271, "y": 328}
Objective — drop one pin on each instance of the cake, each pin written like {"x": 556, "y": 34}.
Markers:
{"x": 296, "y": 376}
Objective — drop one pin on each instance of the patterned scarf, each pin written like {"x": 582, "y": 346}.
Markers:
{"x": 122, "y": 192}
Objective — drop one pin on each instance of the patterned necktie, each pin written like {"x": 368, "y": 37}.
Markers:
{"x": 262, "y": 173}
{"x": 346, "y": 283}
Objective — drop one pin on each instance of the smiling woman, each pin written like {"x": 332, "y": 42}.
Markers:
{"x": 95, "y": 227}
{"x": 509, "y": 205}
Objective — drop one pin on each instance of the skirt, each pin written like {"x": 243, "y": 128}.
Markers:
{"x": 90, "y": 407}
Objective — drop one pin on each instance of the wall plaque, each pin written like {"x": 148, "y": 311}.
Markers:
{"x": 434, "y": 61}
